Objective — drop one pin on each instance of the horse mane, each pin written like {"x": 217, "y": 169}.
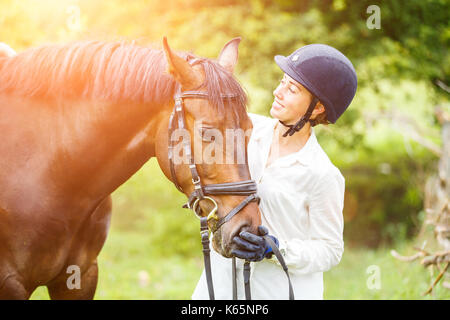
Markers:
{"x": 116, "y": 71}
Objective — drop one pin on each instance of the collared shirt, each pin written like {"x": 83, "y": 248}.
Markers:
{"x": 302, "y": 199}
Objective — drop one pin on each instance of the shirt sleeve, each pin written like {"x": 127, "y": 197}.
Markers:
{"x": 325, "y": 246}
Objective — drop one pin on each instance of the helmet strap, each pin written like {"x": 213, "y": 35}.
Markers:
{"x": 293, "y": 128}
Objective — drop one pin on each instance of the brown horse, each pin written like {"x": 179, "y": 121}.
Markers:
{"x": 77, "y": 121}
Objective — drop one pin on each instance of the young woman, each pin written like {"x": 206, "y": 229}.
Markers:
{"x": 301, "y": 191}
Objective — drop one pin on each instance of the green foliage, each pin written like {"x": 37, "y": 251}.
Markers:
{"x": 398, "y": 280}
{"x": 382, "y": 200}
{"x": 414, "y": 36}
{"x": 149, "y": 203}
{"x": 385, "y": 170}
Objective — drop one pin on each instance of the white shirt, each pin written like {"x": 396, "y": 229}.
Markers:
{"x": 302, "y": 198}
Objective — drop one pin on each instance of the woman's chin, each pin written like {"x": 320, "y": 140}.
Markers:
{"x": 275, "y": 113}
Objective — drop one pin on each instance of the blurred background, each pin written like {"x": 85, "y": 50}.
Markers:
{"x": 387, "y": 145}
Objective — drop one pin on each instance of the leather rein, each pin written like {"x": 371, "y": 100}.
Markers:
{"x": 203, "y": 192}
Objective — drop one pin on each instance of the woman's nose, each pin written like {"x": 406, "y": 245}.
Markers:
{"x": 277, "y": 93}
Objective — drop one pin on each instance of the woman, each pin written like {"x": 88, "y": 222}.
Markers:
{"x": 301, "y": 191}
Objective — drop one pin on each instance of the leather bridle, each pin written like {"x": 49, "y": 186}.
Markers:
{"x": 203, "y": 192}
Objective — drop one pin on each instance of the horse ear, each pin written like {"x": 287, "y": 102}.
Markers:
{"x": 229, "y": 55}
{"x": 180, "y": 69}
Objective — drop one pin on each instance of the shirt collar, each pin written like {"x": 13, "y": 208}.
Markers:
{"x": 259, "y": 133}
{"x": 304, "y": 156}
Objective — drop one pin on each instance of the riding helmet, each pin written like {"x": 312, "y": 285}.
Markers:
{"x": 326, "y": 73}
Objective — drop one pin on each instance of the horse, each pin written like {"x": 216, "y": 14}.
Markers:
{"x": 77, "y": 121}
{"x": 6, "y": 51}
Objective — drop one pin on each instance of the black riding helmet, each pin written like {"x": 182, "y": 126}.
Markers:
{"x": 327, "y": 74}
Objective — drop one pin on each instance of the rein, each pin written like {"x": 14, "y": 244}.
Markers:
{"x": 202, "y": 192}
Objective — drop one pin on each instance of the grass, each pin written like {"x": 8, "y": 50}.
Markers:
{"x": 354, "y": 277}
{"x": 153, "y": 252}
{"x": 126, "y": 255}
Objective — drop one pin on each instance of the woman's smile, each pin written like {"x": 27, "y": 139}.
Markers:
{"x": 276, "y": 105}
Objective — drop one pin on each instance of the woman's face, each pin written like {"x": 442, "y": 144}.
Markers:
{"x": 291, "y": 100}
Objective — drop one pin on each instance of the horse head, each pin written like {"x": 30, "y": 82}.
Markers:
{"x": 210, "y": 164}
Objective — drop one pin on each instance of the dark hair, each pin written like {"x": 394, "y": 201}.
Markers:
{"x": 321, "y": 118}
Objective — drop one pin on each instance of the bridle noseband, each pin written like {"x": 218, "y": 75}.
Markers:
{"x": 203, "y": 192}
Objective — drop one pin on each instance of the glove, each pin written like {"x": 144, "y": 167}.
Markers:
{"x": 253, "y": 247}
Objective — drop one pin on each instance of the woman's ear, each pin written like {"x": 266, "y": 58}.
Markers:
{"x": 318, "y": 109}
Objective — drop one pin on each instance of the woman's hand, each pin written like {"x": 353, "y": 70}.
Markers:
{"x": 253, "y": 247}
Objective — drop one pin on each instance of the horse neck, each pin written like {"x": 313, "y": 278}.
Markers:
{"x": 109, "y": 143}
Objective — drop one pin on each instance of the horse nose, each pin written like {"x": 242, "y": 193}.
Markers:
{"x": 247, "y": 219}
{"x": 244, "y": 228}
{"x": 229, "y": 244}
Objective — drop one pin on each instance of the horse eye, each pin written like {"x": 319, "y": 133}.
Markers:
{"x": 204, "y": 136}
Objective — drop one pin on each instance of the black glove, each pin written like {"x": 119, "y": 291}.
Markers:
{"x": 253, "y": 247}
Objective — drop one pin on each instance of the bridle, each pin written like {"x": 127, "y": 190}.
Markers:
{"x": 203, "y": 192}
